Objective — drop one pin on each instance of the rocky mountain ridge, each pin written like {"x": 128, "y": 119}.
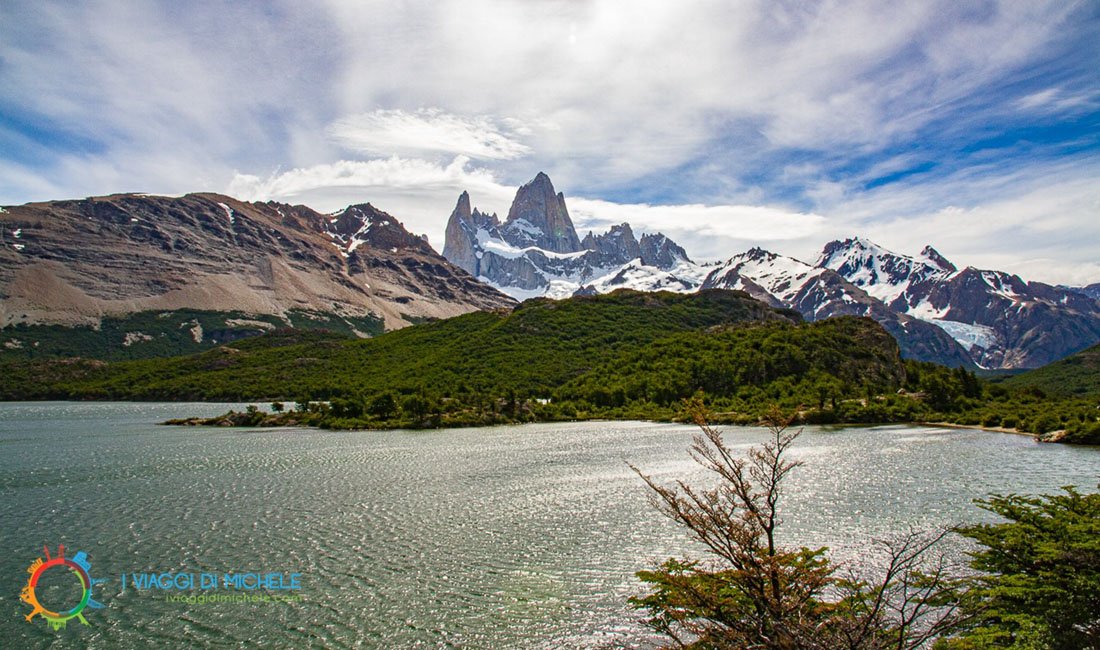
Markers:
{"x": 818, "y": 293}
{"x": 1092, "y": 290}
{"x": 73, "y": 262}
{"x": 1002, "y": 320}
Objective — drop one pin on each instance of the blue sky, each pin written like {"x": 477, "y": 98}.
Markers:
{"x": 972, "y": 126}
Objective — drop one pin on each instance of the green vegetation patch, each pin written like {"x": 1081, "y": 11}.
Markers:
{"x": 154, "y": 334}
{"x": 1078, "y": 374}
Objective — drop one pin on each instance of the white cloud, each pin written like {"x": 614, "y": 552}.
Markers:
{"x": 430, "y": 130}
{"x": 1053, "y": 100}
{"x": 420, "y": 193}
{"x": 706, "y": 232}
{"x": 629, "y": 98}
{"x": 1040, "y": 232}
{"x": 738, "y": 107}
{"x": 1037, "y": 99}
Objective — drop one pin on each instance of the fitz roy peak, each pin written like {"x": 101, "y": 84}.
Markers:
{"x": 536, "y": 251}
{"x": 538, "y": 217}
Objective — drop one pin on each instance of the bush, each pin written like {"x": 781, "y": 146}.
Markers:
{"x": 1041, "y": 582}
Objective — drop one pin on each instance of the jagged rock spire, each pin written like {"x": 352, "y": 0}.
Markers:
{"x": 538, "y": 217}
{"x": 459, "y": 245}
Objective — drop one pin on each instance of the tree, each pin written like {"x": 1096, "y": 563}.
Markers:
{"x": 346, "y": 407}
{"x": 758, "y": 594}
{"x": 383, "y": 406}
{"x": 416, "y": 406}
{"x": 1041, "y": 582}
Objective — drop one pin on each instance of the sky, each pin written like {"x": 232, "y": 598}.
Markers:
{"x": 973, "y": 126}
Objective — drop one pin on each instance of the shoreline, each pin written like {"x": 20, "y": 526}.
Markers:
{"x": 978, "y": 427}
{"x": 273, "y": 420}
{"x": 1050, "y": 436}
{"x": 286, "y": 419}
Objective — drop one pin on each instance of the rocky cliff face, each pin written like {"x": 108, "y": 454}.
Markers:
{"x": 536, "y": 250}
{"x": 661, "y": 252}
{"x": 72, "y": 262}
{"x": 538, "y": 217}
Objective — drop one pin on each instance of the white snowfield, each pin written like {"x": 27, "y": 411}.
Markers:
{"x": 499, "y": 247}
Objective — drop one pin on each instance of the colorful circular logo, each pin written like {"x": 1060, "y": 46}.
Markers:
{"x": 79, "y": 565}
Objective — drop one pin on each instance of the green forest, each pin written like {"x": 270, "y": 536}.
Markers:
{"x": 625, "y": 355}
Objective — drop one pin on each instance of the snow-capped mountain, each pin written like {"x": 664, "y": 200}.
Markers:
{"x": 356, "y": 225}
{"x": 819, "y": 293}
{"x": 1002, "y": 321}
{"x": 536, "y": 251}
{"x": 890, "y": 277}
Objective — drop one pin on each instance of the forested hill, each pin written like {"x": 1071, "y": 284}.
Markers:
{"x": 654, "y": 347}
{"x": 1077, "y": 374}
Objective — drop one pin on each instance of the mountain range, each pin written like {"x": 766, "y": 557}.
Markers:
{"x": 80, "y": 263}
{"x": 535, "y": 251}
{"x": 970, "y": 317}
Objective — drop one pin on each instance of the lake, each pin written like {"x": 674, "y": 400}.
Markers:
{"x": 519, "y": 536}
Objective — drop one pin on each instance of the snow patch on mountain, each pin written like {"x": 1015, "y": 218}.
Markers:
{"x": 924, "y": 310}
{"x": 229, "y": 213}
{"x": 969, "y": 335}
{"x": 1000, "y": 283}
{"x": 498, "y": 246}
{"x": 780, "y": 275}
{"x": 685, "y": 277}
